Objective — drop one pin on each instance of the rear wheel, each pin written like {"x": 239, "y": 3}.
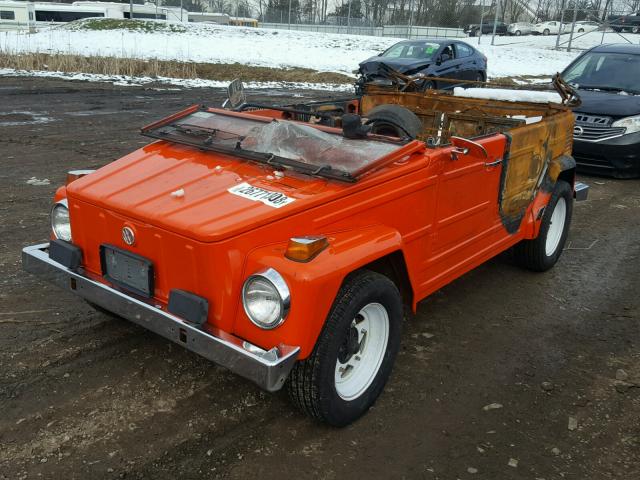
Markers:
{"x": 546, "y": 31}
{"x": 354, "y": 354}
{"x": 635, "y": 30}
{"x": 581, "y": 30}
{"x": 518, "y": 33}
{"x": 542, "y": 253}
{"x": 394, "y": 121}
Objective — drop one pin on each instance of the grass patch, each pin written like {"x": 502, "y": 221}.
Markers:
{"x": 134, "y": 25}
{"x": 164, "y": 68}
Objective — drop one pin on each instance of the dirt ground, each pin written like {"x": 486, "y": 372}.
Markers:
{"x": 86, "y": 396}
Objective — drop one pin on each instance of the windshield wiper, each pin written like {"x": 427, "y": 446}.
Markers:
{"x": 185, "y": 131}
{"x": 200, "y": 131}
{"x": 608, "y": 89}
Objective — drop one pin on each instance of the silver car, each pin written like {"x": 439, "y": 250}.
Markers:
{"x": 520, "y": 28}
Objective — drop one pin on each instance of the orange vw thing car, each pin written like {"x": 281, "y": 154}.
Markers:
{"x": 283, "y": 243}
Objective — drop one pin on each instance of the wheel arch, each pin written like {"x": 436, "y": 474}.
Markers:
{"x": 560, "y": 168}
{"x": 315, "y": 284}
{"x": 393, "y": 266}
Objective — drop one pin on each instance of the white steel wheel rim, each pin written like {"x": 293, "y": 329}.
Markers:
{"x": 355, "y": 375}
{"x": 556, "y": 226}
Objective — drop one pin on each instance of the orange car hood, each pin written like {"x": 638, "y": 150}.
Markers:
{"x": 186, "y": 191}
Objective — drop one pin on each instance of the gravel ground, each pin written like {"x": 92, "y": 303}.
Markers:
{"x": 503, "y": 374}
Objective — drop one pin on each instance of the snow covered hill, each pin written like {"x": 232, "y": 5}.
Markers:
{"x": 264, "y": 47}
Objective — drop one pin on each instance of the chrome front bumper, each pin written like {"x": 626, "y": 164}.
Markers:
{"x": 269, "y": 369}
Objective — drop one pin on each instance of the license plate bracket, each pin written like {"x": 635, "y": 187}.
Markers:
{"x": 127, "y": 270}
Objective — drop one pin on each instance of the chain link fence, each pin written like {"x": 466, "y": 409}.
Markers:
{"x": 560, "y": 24}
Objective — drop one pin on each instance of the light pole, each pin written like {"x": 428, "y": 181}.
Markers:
{"x": 495, "y": 22}
{"x": 410, "y": 18}
{"x": 289, "y": 14}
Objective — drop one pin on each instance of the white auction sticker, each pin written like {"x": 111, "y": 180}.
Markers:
{"x": 272, "y": 199}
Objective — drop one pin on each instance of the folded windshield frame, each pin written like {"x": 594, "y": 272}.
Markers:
{"x": 226, "y": 142}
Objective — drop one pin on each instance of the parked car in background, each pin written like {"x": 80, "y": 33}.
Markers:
{"x": 584, "y": 26}
{"x": 549, "y": 28}
{"x": 426, "y": 60}
{"x": 473, "y": 29}
{"x": 625, "y": 23}
{"x": 520, "y": 28}
{"x": 607, "y": 129}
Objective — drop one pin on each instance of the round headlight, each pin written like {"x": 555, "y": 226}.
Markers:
{"x": 265, "y": 297}
{"x": 60, "y": 223}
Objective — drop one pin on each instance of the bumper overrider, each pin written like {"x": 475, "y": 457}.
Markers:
{"x": 269, "y": 369}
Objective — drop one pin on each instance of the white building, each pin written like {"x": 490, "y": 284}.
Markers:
{"x": 221, "y": 18}
{"x": 27, "y": 15}
{"x": 16, "y": 15}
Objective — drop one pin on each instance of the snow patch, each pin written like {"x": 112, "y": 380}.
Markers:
{"x": 127, "y": 81}
{"x": 37, "y": 182}
{"x": 508, "y": 95}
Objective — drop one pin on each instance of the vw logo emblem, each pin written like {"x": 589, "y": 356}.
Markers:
{"x": 578, "y": 131}
{"x": 128, "y": 236}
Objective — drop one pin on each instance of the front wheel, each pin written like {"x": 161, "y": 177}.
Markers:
{"x": 546, "y": 31}
{"x": 354, "y": 354}
{"x": 542, "y": 253}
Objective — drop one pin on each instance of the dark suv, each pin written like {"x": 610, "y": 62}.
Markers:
{"x": 487, "y": 28}
{"x": 607, "y": 128}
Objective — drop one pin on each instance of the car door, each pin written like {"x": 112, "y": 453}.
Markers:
{"x": 468, "y": 61}
{"x": 448, "y": 68}
{"x": 467, "y": 221}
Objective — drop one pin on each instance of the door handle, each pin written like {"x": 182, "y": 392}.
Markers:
{"x": 493, "y": 164}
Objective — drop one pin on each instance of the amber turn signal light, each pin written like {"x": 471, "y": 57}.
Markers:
{"x": 304, "y": 249}
{"x": 73, "y": 175}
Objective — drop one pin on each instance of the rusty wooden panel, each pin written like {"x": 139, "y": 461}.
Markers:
{"x": 532, "y": 149}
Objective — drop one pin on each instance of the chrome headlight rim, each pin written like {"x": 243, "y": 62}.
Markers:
{"x": 65, "y": 204}
{"x": 631, "y": 124}
{"x": 280, "y": 286}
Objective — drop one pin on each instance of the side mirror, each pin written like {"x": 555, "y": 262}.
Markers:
{"x": 235, "y": 95}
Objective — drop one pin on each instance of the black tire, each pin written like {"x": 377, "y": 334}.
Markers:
{"x": 635, "y": 29}
{"x": 532, "y": 254}
{"x": 394, "y": 121}
{"x": 312, "y": 382}
{"x": 480, "y": 77}
{"x": 581, "y": 30}
{"x": 546, "y": 31}
{"x": 428, "y": 85}
{"x": 518, "y": 33}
